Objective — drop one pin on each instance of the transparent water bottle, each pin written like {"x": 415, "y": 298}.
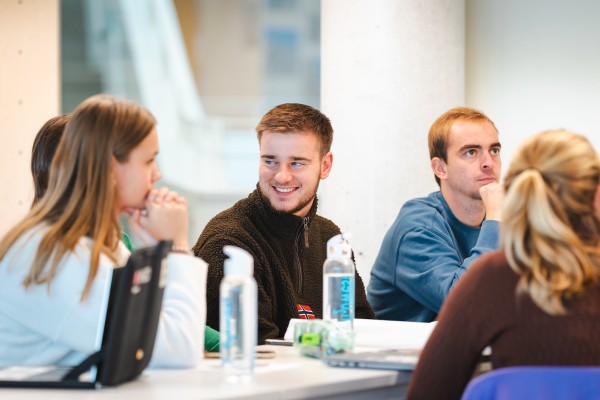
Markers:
{"x": 238, "y": 315}
{"x": 338, "y": 283}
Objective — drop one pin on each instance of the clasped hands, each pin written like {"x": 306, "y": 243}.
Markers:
{"x": 165, "y": 217}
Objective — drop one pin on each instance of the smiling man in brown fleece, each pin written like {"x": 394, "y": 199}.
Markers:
{"x": 278, "y": 224}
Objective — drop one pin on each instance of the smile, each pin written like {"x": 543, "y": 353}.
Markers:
{"x": 284, "y": 190}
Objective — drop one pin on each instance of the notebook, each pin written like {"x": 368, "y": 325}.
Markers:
{"x": 133, "y": 306}
{"x": 394, "y": 359}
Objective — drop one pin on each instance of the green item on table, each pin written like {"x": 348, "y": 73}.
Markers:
{"x": 211, "y": 339}
{"x": 310, "y": 339}
{"x": 317, "y": 338}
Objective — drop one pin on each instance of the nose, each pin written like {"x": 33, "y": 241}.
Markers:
{"x": 486, "y": 161}
{"x": 156, "y": 174}
{"x": 283, "y": 175}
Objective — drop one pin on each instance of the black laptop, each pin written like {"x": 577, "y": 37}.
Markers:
{"x": 132, "y": 315}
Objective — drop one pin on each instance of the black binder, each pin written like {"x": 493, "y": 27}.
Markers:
{"x": 134, "y": 306}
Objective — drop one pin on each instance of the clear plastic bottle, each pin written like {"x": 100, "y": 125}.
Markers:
{"x": 238, "y": 315}
{"x": 338, "y": 283}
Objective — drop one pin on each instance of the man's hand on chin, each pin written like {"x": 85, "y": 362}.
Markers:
{"x": 492, "y": 196}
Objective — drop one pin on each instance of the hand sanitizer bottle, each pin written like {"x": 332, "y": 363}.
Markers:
{"x": 238, "y": 315}
{"x": 338, "y": 283}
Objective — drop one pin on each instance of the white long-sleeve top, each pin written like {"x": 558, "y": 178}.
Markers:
{"x": 44, "y": 325}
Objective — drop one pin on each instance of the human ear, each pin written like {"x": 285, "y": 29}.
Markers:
{"x": 326, "y": 164}
{"x": 438, "y": 166}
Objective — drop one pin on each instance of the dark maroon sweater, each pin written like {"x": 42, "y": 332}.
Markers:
{"x": 484, "y": 310}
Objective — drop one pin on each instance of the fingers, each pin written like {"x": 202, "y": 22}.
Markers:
{"x": 180, "y": 200}
{"x": 166, "y": 216}
{"x": 159, "y": 195}
{"x": 164, "y": 195}
{"x": 492, "y": 190}
{"x": 136, "y": 223}
{"x": 492, "y": 196}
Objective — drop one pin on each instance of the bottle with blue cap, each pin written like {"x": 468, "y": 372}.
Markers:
{"x": 238, "y": 315}
{"x": 338, "y": 283}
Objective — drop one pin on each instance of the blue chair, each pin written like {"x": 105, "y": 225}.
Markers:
{"x": 531, "y": 383}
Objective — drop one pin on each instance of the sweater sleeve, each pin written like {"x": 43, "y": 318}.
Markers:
{"x": 463, "y": 330}
{"x": 180, "y": 335}
{"x": 487, "y": 241}
{"x": 428, "y": 265}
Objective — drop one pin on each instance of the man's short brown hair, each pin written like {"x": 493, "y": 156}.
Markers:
{"x": 296, "y": 118}
{"x": 440, "y": 130}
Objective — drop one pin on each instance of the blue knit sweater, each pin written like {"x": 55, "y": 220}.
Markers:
{"x": 422, "y": 256}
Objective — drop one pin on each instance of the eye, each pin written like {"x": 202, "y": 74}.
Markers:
{"x": 297, "y": 164}
{"x": 470, "y": 152}
{"x": 495, "y": 151}
{"x": 268, "y": 162}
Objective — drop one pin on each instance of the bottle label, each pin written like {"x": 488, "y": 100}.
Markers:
{"x": 228, "y": 337}
{"x": 345, "y": 312}
{"x": 339, "y": 295}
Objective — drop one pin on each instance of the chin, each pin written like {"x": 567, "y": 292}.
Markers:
{"x": 280, "y": 207}
{"x": 476, "y": 196}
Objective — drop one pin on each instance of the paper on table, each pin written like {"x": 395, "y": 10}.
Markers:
{"x": 260, "y": 367}
{"x": 383, "y": 334}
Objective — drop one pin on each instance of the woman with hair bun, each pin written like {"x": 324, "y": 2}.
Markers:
{"x": 537, "y": 300}
{"x": 55, "y": 263}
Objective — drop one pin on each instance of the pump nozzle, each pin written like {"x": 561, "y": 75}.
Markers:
{"x": 240, "y": 262}
{"x": 339, "y": 246}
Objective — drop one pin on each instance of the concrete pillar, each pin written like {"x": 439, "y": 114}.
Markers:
{"x": 389, "y": 68}
{"x": 29, "y": 95}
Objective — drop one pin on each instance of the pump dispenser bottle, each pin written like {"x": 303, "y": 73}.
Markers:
{"x": 338, "y": 283}
{"x": 238, "y": 315}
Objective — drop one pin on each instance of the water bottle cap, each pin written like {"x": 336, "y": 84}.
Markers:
{"x": 339, "y": 246}
{"x": 239, "y": 263}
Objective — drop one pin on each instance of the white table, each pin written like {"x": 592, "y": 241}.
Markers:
{"x": 287, "y": 376}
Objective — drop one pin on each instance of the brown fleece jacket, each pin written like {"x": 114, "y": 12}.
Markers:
{"x": 288, "y": 252}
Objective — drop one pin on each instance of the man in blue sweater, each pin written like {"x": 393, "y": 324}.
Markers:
{"x": 435, "y": 238}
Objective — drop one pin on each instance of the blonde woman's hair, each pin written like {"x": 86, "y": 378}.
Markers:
{"x": 81, "y": 190}
{"x": 550, "y": 229}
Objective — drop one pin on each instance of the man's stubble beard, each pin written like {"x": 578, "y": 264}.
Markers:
{"x": 301, "y": 204}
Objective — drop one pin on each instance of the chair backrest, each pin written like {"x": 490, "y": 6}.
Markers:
{"x": 548, "y": 383}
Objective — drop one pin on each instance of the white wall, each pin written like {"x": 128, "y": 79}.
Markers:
{"x": 534, "y": 65}
{"x": 29, "y": 95}
{"x": 389, "y": 68}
